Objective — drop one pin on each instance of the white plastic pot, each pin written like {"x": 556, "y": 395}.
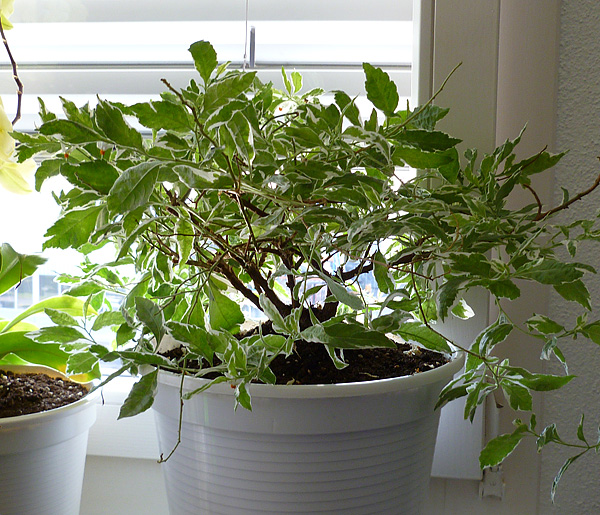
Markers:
{"x": 42, "y": 456}
{"x": 351, "y": 449}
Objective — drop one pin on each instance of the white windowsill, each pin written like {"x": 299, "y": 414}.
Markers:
{"x": 133, "y": 437}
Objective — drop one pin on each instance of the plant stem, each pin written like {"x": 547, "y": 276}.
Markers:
{"x": 13, "y": 63}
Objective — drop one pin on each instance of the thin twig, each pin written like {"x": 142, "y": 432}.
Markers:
{"x": 13, "y": 63}
{"x": 577, "y": 197}
{"x": 537, "y": 199}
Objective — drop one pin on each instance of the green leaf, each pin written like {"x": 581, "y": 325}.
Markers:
{"x": 224, "y": 313}
{"x": 347, "y": 106}
{"x": 73, "y": 229}
{"x": 545, "y": 382}
{"x": 238, "y": 135}
{"x": 346, "y": 336}
{"x": 56, "y": 334}
{"x": 196, "y": 178}
{"x": 162, "y": 115}
{"x": 83, "y": 363}
{"x": 450, "y": 393}
{"x": 303, "y": 136}
{"x": 337, "y": 362}
{"x": 64, "y": 303}
{"x": 185, "y": 234}
{"x": 48, "y": 168}
{"x": 286, "y": 81}
{"x": 133, "y": 188}
{"x": 500, "y": 447}
{"x": 415, "y": 331}
{"x": 48, "y": 354}
{"x": 205, "y": 59}
{"x": 575, "y": 291}
{"x": 60, "y": 318}
{"x": 83, "y": 289}
{"x": 381, "y": 90}
{"x": 390, "y": 321}
{"x": 112, "y": 123}
{"x": 14, "y": 267}
{"x": 548, "y": 435}
{"x": 134, "y": 236}
{"x": 462, "y": 310}
{"x": 242, "y": 397}
{"x": 428, "y": 140}
{"x": 544, "y": 325}
{"x": 519, "y": 397}
{"x": 107, "y": 319}
{"x": 271, "y": 311}
{"x": 382, "y": 274}
{"x": 296, "y": 81}
{"x": 220, "y": 92}
{"x": 72, "y": 132}
{"x": 548, "y": 271}
{"x": 448, "y": 293}
{"x": 341, "y": 293}
{"x": 420, "y": 159}
{"x": 141, "y": 396}
{"x": 197, "y": 338}
{"x": 580, "y": 432}
{"x": 98, "y": 175}
{"x": 560, "y": 473}
{"x": 151, "y": 317}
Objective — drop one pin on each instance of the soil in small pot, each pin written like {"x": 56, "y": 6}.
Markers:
{"x": 21, "y": 394}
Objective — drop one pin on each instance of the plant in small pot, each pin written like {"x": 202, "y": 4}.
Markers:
{"x": 45, "y": 416}
{"x": 234, "y": 197}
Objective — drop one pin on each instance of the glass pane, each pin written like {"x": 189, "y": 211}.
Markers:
{"x": 48, "y": 287}
{"x": 25, "y": 293}
{"x": 7, "y": 300}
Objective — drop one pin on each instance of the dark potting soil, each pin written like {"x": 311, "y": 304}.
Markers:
{"x": 21, "y": 394}
{"x": 309, "y": 363}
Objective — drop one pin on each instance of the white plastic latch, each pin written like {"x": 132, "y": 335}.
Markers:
{"x": 492, "y": 484}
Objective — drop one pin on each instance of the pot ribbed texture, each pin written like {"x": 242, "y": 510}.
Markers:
{"x": 380, "y": 471}
{"x": 356, "y": 449}
{"x": 45, "y": 481}
{"x": 42, "y": 457}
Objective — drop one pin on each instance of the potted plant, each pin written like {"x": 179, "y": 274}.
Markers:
{"x": 45, "y": 416}
{"x": 231, "y": 196}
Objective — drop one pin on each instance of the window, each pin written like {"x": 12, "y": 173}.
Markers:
{"x": 122, "y": 49}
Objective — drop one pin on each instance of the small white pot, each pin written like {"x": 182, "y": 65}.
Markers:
{"x": 42, "y": 456}
{"x": 351, "y": 449}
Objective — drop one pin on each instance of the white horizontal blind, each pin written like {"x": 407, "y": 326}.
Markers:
{"x": 120, "y": 49}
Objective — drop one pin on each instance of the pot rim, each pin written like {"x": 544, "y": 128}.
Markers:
{"x": 91, "y": 396}
{"x": 377, "y": 386}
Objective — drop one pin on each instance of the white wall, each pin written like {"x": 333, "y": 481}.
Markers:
{"x": 578, "y": 129}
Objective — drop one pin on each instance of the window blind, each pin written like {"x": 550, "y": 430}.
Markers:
{"x": 121, "y": 49}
